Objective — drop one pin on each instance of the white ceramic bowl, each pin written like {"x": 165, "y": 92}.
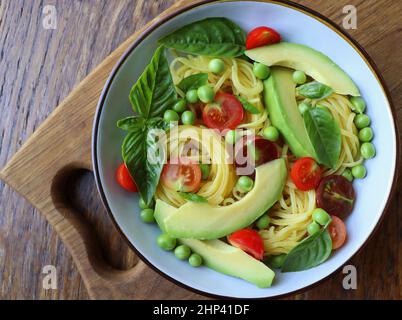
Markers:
{"x": 295, "y": 24}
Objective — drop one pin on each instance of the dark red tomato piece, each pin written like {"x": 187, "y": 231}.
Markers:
{"x": 262, "y": 36}
{"x": 252, "y": 151}
{"x": 226, "y": 112}
{"x": 181, "y": 175}
{"x": 197, "y": 109}
{"x": 335, "y": 194}
{"x": 262, "y": 150}
{"x": 337, "y": 231}
{"x": 306, "y": 174}
{"x": 249, "y": 241}
{"x": 124, "y": 179}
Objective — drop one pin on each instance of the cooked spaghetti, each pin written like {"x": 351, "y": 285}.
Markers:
{"x": 238, "y": 78}
{"x": 204, "y": 146}
{"x": 291, "y": 215}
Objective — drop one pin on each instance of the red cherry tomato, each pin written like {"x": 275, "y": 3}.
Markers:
{"x": 306, "y": 174}
{"x": 262, "y": 36}
{"x": 226, "y": 112}
{"x": 253, "y": 151}
{"x": 335, "y": 194}
{"x": 249, "y": 241}
{"x": 182, "y": 175}
{"x": 124, "y": 179}
{"x": 337, "y": 231}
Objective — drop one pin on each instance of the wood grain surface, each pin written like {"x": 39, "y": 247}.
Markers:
{"x": 39, "y": 67}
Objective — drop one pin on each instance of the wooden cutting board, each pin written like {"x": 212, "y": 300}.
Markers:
{"x": 42, "y": 167}
{"x": 40, "y": 170}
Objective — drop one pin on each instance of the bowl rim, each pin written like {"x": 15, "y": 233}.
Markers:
{"x": 295, "y": 6}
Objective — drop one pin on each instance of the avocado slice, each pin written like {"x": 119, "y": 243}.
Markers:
{"x": 232, "y": 261}
{"x": 220, "y": 256}
{"x": 203, "y": 221}
{"x": 314, "y": 63}
{"x": 280, "y": 100}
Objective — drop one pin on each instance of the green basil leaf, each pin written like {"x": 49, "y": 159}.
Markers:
{"x": 248, "y": 106}
{"x": 314, "y": 90}
{"x": 154, "y": 92}
{"x": 217, "y": 37}
{"x": 143, "y": 155}
{"x": 131, "y": 123}
{"x": 193, "y": 82}
{"x": 325, "y": 135}
{"x": 245, "y": 58}
{"x": 309, "y": 253}
{"x": 192, "y": 197}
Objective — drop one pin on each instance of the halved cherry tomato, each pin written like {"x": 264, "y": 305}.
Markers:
{"x": 335, "y": 194}
{"x": 262, "y": 36}
{"x": 226, "y": 112}
{"x": 181, "y": 175}
{"x": 337, "y": 231}
{"x": 253, "y": 151}
{"x": 306, "y": 174}
{"x": 249, "y": 241}
{"x": 124, "y": 179}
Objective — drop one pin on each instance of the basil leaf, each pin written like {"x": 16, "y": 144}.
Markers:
{"x": 248, "y": 106}
{"x": 192, "y": 197}
{"x": 193, "y": 82}
{"x": 325, "y": 135}
{"x": 245, "y": 58}
{"x": 131, "y": 123}
{"x": 154, "y": 92}
{"x": 143, "y": 155}
{"x": 309, "y": 253}
{"x": 217, "y": 37}
{"x": 314, "y": 90}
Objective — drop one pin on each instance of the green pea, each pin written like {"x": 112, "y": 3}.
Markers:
{"x": 182, "y": 252}
{"x": 216, "y": 66}
{"x": 303, "y": 107}
{"x": 359, "y": 171}
{"x": 206, "y": 93}
{"x": 358, "y": 103}
{"x": 166, "y": 242}
{"x": 276, "y": 262}
{"x": 362, "y": 121}
{"x": 313, "y": 227}
{"x": 321, "y": 216}
{"x": 192, "y": 96}
{"x": 367, "y": 150}
{"x": 180, "y": 106}
{"x": 188, "y": 117}
{"x": 205, "y": 170}
{"x": 263, "y": 222}
{"x": 143, "y": 205}
{"x": 366, "y": 134}
{"x": 270, "y": 133}
{"x": 245, "y": 184}
{"x": 170, "y": 116}
{"x": 299, "y": 77}
{"x": 147, "y": 215}
{"x": 195, "y": 260}
{"x": 261, "y": 71}
{"x": 232, "y": 136}
{"x": 348, "y": 175}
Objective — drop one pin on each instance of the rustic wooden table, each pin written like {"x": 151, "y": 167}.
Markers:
{"x": 39, "y": 67}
